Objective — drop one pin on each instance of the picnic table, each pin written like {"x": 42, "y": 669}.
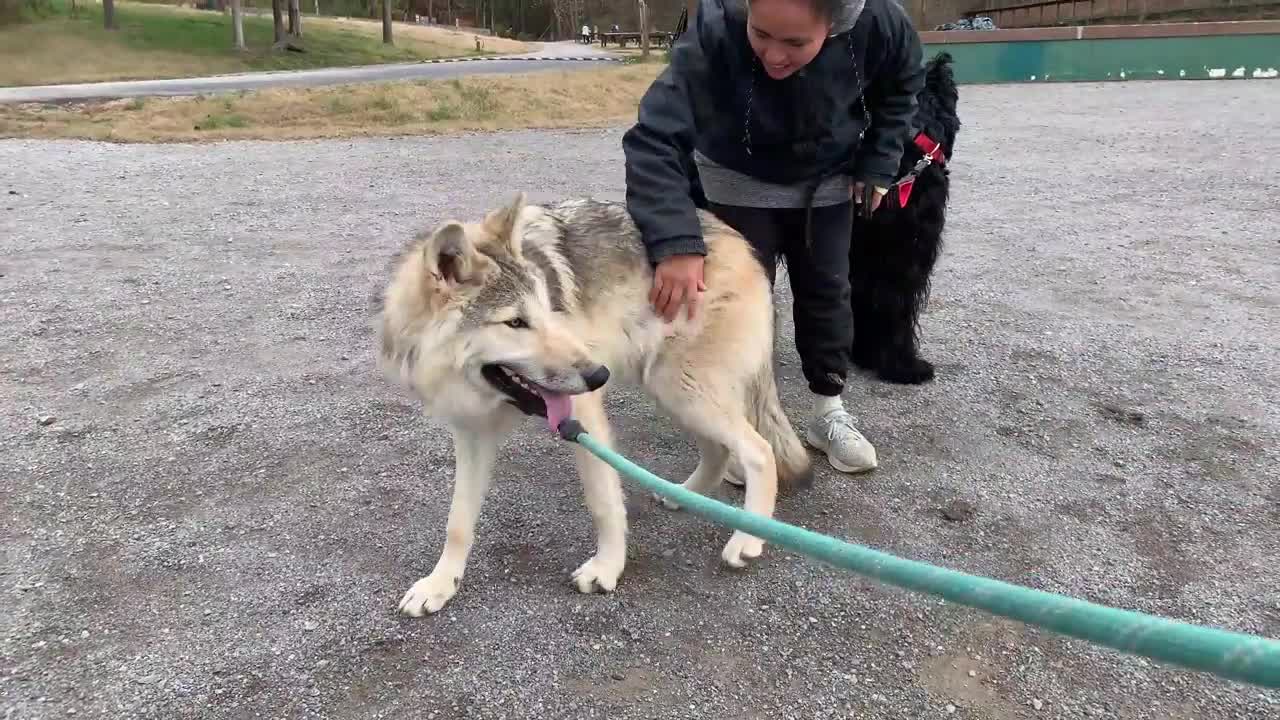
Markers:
{"x": 657, "y": 38}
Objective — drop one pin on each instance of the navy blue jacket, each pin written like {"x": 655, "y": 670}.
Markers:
{"x": 715, "y": 97}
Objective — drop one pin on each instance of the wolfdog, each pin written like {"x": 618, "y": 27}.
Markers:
{"x": 533, "y": 310}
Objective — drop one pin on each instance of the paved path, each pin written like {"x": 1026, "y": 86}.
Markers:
{"x": 551, "y": 56}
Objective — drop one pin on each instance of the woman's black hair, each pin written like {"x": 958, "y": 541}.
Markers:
{"x": 826, "y": 9}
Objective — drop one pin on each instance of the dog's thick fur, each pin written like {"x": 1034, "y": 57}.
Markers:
{"x": 551, "y": 295}
{"x": 891, "y": 255}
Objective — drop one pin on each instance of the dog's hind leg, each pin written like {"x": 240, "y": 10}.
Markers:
{"x": 602, "y": 490}
{"x": 714, "y": 413}
{"x": 475, "y": 453}
{"x": 712, "y": 464}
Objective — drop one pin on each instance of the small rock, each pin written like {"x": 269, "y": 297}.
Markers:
{"x": 959, "y": 511}
{"x": 310, "y": 625}
{"x": 1037, "y": 703}
{"x": 668, "y": 553}
{"x": 618, "y": 676}
{"x": 151, "y": 679}
{"x": 973, "y": 673}
{"x": 46, "y": 420}
{"x": 951, "y": 709}
{"x": 1124, "y": 416}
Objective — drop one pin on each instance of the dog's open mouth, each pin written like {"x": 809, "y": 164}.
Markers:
{"x": 529, "y": 397}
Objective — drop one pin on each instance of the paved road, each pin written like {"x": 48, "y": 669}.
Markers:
{"x": 552, "y": 56}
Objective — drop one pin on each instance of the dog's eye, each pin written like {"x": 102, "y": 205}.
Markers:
{"x": 517, "y": 323}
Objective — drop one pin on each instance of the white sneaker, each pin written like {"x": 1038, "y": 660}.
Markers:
{"x": 847, "y": 450}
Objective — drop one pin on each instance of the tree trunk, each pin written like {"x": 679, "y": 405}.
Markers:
{"x": 237, "y": 22}
{"x": 386, "y": 22}
{"x": 295, "y": 18}
{"x": 109, "y": 14}
{"x": 644, "y": 29}
{"x": 277, "y": 18}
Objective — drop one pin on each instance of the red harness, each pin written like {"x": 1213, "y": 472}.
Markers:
{"x": 932, "y": 154}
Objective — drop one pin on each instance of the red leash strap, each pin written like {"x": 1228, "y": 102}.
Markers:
{"x": 932, "y": 154}
{"x": 931, "y": 149}
{"x": 904, "y": 190}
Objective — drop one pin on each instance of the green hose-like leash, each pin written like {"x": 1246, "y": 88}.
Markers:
{"x": 1233, "y": 655}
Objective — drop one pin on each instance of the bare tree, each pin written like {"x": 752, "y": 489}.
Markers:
{"x": 644, "y": 29}
{"x": 295, "y": 18}
{"x": 386, "y": 22}
{"x": 237, "y": 22}
{"x": 277, "y": 19}
{"x": 109, "y": 14}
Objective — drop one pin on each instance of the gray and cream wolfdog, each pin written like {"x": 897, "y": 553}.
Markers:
{"x": 534, "y": 310}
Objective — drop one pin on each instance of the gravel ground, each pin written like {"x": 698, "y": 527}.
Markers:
{"x": 212, "y": 503}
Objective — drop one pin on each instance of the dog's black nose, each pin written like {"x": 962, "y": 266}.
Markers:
{"x": 596, "y": 377}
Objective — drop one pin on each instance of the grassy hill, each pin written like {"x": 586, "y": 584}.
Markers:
{"x": 159, "y": 41}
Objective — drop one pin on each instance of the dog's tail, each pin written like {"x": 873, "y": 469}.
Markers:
{"x": 764, "y": 410}
{"x": 939, "y": 77}
{"x": 939, "y": 63}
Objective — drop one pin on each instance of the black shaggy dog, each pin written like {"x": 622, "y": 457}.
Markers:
{"x": 892, "y": 254}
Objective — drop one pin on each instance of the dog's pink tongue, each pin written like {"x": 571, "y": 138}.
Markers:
{"x": 559, "y": 407}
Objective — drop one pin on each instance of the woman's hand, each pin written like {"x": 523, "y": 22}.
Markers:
{"x": 859, "y": 191}
{"x": 677, "y": 281}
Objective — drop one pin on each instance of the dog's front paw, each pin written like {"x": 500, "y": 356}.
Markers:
{"x": 598, "y": 573}
{"x": 428, "y": 595}
{"x": 741, "y": 548}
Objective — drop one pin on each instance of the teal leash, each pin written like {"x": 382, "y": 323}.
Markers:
{"x": 1236, "y": 656}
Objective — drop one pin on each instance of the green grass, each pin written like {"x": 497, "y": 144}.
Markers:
{"x": 158, "y": 41}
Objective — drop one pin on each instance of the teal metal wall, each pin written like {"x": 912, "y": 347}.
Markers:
{"x": 1170, "y": 58}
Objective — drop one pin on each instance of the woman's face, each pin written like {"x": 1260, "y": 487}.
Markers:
{"x": 785, "y": 34}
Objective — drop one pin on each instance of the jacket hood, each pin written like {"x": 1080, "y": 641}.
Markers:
{"x": 845, "y": 17}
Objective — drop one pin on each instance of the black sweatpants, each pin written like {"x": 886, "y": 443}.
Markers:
{"x": 819, "y": 280}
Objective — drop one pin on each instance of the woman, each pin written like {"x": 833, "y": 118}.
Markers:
{"x": 767, "y": 97}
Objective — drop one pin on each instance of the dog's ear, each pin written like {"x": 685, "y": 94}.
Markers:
{"x": 502, "y": 224}
{"x": 450, "y": 256}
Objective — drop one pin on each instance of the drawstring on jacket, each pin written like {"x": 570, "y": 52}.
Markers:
{"x": 846, "y": 168}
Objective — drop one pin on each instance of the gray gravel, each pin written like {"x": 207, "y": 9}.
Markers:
{"x": 212, "y": 503}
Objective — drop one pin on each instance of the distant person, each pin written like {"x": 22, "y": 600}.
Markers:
{"x": 586, "y": 35}
{"x": 767, "y": 96}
